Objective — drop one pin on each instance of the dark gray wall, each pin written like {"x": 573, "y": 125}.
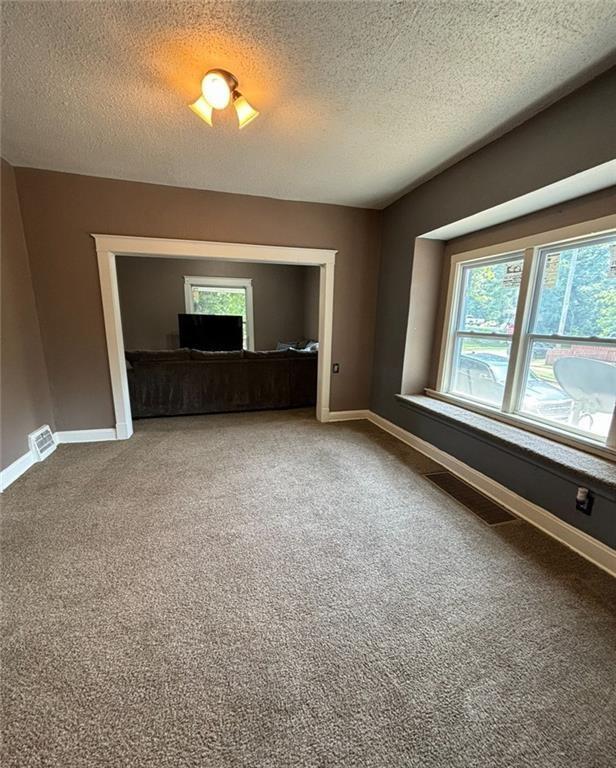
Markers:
{"x": 152, "y": 295}
{"x": 530, "y": 479}
{"x": 573, "y": 135}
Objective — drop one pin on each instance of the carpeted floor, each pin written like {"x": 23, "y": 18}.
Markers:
{"x": 263, "y": 591}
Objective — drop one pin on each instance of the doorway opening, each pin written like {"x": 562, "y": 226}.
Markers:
{"x": 109, "y": 247}
{"x": 206, "y": 336}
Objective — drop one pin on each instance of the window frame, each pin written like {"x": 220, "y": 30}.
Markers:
{"x": 224, "y": 282}
{"x": 456, "y": 334}
{"x": 532, "y": 248}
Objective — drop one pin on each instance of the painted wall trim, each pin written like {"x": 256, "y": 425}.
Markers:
{"x": 21, "y": 465}
{"x": 348, "y": 415}
{"x": 166, "y": 248}
{"x": 110, "y": 246}
{"x": 86, "y": 435}
{"x": 583, "y": 183}
{"x": 595, "y": 551}
{"x": 16, "y": 469}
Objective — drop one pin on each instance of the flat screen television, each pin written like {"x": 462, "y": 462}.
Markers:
{"x": 211, "y": 333}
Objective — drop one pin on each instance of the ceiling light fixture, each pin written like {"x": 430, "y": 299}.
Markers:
{"x": 219, "y": 87}
{"x": 203, "y": 109}
{"x": 245, "y": 113}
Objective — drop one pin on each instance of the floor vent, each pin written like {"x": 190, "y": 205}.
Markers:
{"x": 42, "y": 443}
{"x": 485, "y": 509}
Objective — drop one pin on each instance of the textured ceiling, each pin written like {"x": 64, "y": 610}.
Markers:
{"x": 358, "y": 100}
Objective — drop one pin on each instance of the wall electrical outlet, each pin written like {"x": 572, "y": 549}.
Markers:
{"x": 583, "y": 500}
{"x": 336, "y": 368}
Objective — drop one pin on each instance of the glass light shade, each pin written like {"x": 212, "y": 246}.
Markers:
{"x": 245, "y": 113}
{"x": 203, "y": 109}
{"x": 215, "y": 89}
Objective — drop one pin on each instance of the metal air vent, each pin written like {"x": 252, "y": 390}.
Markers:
{"x": 42, "y": 443}
{"x": 485, "y": 509}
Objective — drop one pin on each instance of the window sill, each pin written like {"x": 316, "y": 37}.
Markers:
{"x": 547, "y": 431}
{"x": 586, "y": 468}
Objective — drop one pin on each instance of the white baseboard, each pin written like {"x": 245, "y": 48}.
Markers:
{"x": 23, "y": 463}
{"x": 123, "y": 431}
{"x": 347, "y": 415}
{"x": 595, "y": 551}
{"x": 16, "y": 469}
{"x": 85, "y": 435}
{"x": 598, "y": 553}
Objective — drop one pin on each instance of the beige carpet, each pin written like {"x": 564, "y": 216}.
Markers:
{"x": 259, "y": 590}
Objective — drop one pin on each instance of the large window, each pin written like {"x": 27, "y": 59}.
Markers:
{"x": 531, "y": 334}
{"x": 222, "y": 296}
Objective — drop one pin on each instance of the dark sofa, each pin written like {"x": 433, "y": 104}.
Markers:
{"x": 183, "y": 381}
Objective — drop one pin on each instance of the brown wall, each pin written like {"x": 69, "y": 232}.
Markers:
{"x": 25, "y": 400}
{"x": 61, "y": 210}
{"x": 152, "y": 295}
{"x": 311, "y": 303}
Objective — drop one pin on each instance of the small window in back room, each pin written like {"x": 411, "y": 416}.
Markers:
{"x": 222, "y": 296}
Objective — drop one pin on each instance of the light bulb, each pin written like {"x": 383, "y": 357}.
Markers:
{"x": 203, "y": 109}
{"x": 245, "y": 113}
{"x": 216, "y": 90}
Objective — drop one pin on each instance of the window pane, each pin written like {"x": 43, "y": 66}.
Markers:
{"x": 489, "y": 296}
{"x": 577, "y": 290}
{"x": 571, "y": 385}
{"x": 211, "y": 300}
{"x": 219, "y": 301}
{"x": 480, "y": 369}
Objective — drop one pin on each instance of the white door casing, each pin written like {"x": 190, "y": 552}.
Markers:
{"x": 110, "y": 246}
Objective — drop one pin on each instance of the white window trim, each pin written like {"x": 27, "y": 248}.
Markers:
{"x": 519, "y": 339}
{"x": 225, "y": 282}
